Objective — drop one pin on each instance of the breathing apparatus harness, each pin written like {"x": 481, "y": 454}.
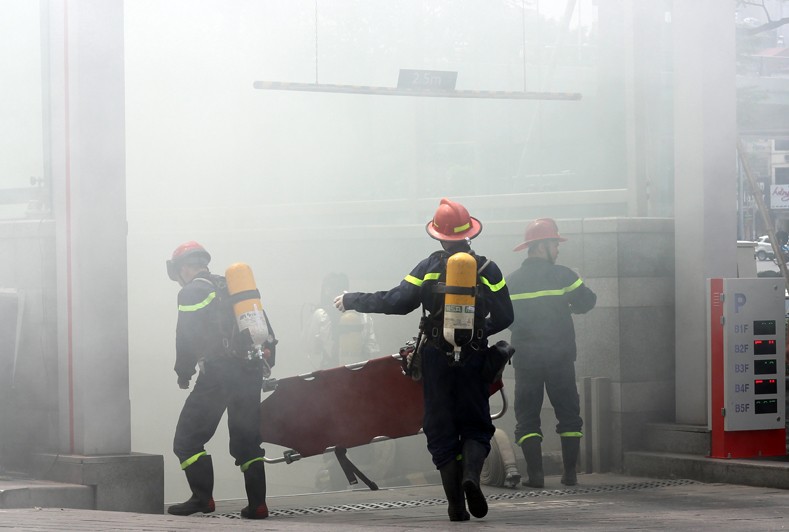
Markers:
{"x": 432, "y": 327}
{"x": 239, "y": 344}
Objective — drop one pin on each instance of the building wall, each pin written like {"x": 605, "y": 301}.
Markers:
{"x": 628, "y": 338}
{"x": 29, "y": 409}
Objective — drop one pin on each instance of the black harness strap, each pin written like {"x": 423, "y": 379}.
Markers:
{"x": 244, "y": 294}
{"x": 441, "y": 288}
{"x": 431, "y": 323}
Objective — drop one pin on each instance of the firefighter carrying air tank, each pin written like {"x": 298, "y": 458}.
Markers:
{"x": 454, "y": 351}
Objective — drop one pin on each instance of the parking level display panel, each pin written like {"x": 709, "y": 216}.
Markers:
{"x": 765, "y": 347}
{"x": 764, "y": 328}
{"x": 753, "y": 372}
{"x": 767, "y": 366}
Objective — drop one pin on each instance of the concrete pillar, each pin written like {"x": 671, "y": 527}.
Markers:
{"x": 85, "y": 160}
{"x": 647, "y": 123}
{"x": 704, "y": 182}
{"x": 83, "y": 84}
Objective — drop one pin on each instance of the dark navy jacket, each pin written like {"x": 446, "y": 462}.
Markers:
{"x": 416, "y": 289}
{"x": 199, "y": 333}
{"x": 545, "y": 296}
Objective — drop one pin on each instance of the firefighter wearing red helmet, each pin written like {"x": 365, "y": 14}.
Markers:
{"x": 457, "y": 420}
{"x": 545, "y": 295}
{"x": 226, "y": 382}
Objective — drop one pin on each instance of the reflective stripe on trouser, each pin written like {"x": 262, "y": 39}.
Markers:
{"x": 457, "y": 404}
{"x": 531, "y": 384}
{"x": 226, "y": 384}
{"x": 192, "y": 459}
{"x": 248, "y": 463}
{"x": 522, "y": 439}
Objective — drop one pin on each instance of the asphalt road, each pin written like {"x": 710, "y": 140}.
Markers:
{"x": 766, "y": 265}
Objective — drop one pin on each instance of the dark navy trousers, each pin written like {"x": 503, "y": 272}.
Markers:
{"x": 532, "y": 382}
{"x": 457, "y": 406}
{"x": 225, "y": 384}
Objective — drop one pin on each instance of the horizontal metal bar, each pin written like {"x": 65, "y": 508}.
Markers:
{"x": 10, "y": 196}
{"x": 429, "y": 93}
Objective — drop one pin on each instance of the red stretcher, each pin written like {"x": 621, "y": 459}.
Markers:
{"x": 344, "y": 407}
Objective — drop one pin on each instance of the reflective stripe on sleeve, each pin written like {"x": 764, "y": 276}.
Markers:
{"x": 418, "y": 282}
{"x": 544, "y": 293}
{"x": 493, "y": 287}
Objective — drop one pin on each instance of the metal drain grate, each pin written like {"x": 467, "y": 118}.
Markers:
{"x": 393, "y": 505}
{"x": 631, "y": 486}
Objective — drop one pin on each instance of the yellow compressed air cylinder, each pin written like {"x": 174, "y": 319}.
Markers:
{"x": 459, "y": 308}
{"x": 248, "y": 310}
{"x": 350, "y": 341}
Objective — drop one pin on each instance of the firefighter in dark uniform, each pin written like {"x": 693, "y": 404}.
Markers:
{"x": 545, "y": 295}
{"x": 457, "y": 420}
{"x": 226, "y": 382}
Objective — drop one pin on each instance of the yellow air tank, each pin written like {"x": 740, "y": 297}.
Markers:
{"x": 459, "y": 300}
{"x": 349, "y": 338}
{"x": 248, "y": 308}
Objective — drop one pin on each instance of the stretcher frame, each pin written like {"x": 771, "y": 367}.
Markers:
{"x": 351, "y": 418}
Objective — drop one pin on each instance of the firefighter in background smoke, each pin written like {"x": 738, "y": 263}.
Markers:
{"x": 227, "y": 381}
{"x": 457, "y": 420}
{"x": 335, "y": 339}
{"x": 339, "y": 339}
{"x": 545, "y": 295}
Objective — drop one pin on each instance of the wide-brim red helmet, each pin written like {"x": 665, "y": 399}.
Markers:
{"x": 451, "y": 222}
{"x": 540, "y": 229}
{"x": 187, "y": 252}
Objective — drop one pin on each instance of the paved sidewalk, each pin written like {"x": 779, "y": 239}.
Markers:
{"x": 600, "y": 502}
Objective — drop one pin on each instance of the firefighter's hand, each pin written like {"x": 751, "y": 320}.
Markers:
{"x": 338, "y": 302}
{"x": 183, "y": 383}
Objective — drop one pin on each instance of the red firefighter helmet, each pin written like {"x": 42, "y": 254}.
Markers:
{"x": 451, "y": 222}
{"x": 187, "y": 252}
{"x": 540, "y": 229}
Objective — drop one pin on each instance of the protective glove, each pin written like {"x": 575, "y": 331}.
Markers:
{"x": 338, "y": 304}
{"x": 183, "y": 383}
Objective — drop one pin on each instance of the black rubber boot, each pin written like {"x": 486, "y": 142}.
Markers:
{"x": 200, "y": 476}
{"x": 451, "y": 477}
{"x": 473, "y": 458}
{"x": 532, "y": 452}
{"x": 255, "y": 484}
{"x": 570, "y": 448}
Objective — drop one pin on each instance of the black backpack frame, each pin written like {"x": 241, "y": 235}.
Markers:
{"x": 432, "y": 325}
{"x": 238, "y": 343}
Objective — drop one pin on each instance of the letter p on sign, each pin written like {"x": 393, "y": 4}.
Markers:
{"x": 739, "y": 301}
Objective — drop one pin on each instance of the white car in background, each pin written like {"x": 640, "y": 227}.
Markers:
{"x": 763, "y": 249}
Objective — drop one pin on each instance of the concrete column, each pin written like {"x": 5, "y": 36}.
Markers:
{"x": 704, "y": 182}
{"x": 83, "y": 84}
{"x": 646, "y": 125}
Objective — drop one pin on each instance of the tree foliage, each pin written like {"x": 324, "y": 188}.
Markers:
{"x": 771, "y": 23}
